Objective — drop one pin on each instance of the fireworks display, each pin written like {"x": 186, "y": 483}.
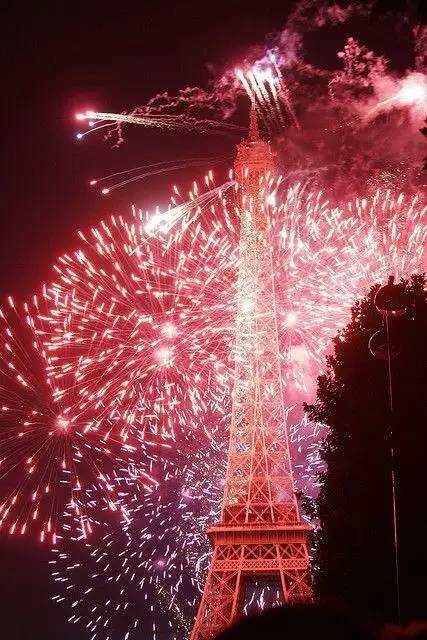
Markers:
{"x": 135, "y": 342}
{"x": 116, "y": 378}
{"x": 326, "y": 258}
{"x": 49, "y": 449}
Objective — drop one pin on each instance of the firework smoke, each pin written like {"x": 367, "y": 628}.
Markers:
{"x": 342, "y": 128}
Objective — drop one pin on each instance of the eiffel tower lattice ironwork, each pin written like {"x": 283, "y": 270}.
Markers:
{"x": 260, "y": 534}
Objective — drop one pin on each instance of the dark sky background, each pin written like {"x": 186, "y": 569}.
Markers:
{"x": 59, "y": 58}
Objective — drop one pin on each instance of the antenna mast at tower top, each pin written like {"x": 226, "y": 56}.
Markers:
{"x": 253, "y": 124}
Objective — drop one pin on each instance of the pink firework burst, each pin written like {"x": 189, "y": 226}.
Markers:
{"x": 49, "y": 449}
{"x": 135, "y": 336}
{"x": 141, "y": 319}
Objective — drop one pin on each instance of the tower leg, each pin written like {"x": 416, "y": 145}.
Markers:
{"x": 219, "y": 605}
{"x": 232, "y": 564}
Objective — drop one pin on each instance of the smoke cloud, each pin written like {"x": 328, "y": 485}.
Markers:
{"x": 358, "y": 121}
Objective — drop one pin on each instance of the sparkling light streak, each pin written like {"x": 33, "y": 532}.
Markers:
{"x": 98, "y": 120}
{"x": 49, "y": 449}
{"x": 267, "y": 91}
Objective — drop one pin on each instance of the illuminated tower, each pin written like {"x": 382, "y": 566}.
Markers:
{"x": 259, "y": 535}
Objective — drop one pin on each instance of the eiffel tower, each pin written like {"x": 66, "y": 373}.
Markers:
{"x": 259, "y": 535}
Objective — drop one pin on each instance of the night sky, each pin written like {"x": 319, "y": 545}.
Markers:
{"x": 59, "y": 59}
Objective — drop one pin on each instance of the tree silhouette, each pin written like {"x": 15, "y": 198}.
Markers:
{"x": 354, "y": 551}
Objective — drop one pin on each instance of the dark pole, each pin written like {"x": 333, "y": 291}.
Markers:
{"x": 389, "y": 302}
{"x": 393, "y": 468}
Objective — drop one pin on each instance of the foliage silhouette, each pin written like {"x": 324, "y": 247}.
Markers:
{"x": 354, "y": 544}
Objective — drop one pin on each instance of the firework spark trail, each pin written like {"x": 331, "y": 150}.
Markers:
{"x": 272, "y": 86}
{"x": 261, "y": 86}
{"x": 261, "y": 95}
{"x": 284, "y": 91}
{"x": 136, "y": 334}
{"x": 253, "y": 84}
{"x": 197, "y": 201}
{"x": 146, "y": 574}
{"x": 112, "y": 181}
{"x": 162, "y": 121}
{"x": 267, "y": 87}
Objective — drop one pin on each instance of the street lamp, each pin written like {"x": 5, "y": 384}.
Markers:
{"x": 391, "y": 303}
